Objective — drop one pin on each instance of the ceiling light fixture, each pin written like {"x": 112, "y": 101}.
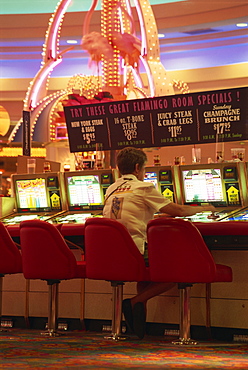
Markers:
{"x": 242, "y": 24}
{"x": 71, "y": 41}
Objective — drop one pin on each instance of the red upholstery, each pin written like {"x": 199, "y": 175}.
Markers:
{"x": 178, "y": 253}
{"x": 111, "y": 253}
{"x": 72, "y": 229}
{"x": 14, "y": 230}
{"x": 45, "y": 254}
{"x": 10, "y": 256}
{"x": 223, "y": 228}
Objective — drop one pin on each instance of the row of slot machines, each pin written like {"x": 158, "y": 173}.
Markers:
{"x": 71, "y": 197}
{"x": 224, "y": 185}
{"x": 67, "y": 197}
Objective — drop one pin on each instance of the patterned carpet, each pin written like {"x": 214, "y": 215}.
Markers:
{"x": 27, "y": 349}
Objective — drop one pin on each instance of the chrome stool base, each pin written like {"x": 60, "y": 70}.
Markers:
{"x": 184, "y": 342}
{"x": 115, "y": 337}
{"x": 51, "y": 333}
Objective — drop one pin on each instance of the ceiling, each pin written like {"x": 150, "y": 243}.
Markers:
{"x": 196, "y": 34}
{"x": 48, "y": 6}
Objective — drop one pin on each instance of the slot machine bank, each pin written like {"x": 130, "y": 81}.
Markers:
{"x": 165, "y": 180}
{"x": 66, "y": 198}
{"x": 223, "y": 184}
{"x": 241, "y": 214}
{"x": 84, "y": 193}
{"x": 37, "y": 196}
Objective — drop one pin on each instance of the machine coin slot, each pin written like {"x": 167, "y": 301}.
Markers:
{"x": 230, "y": 174}
{"x": 165, "y": 177}
{"x": 53, "y": 182}
{"x": 106, "y": 180}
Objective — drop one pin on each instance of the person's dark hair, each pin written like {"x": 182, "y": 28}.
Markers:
{"x": 127, "y": 159}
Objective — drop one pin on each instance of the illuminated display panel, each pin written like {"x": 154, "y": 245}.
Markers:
{"x": 151, "y": 177}
{"x": 32, "y": 195}
{"x": 84, "y": 191}
{"x": 203, "y": 186}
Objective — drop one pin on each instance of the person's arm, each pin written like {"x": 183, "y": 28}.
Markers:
{"x": 174, "y": 209}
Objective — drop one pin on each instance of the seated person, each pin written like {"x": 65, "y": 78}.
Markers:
{"x": 133, "y": 202}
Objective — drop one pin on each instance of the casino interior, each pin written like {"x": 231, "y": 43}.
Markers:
{"x": 70, "y": 69}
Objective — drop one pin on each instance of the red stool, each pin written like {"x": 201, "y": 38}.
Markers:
{"x": 177, "y": 253}
{"x": 112, "y": 255}
{"x": 222, "y": 235}
{"x": 46, "y": 256}
{"x": 10, "y": 259}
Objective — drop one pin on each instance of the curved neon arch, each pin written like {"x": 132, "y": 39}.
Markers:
{"x": 51, "y": 56}
{"x": 158, "y": 82}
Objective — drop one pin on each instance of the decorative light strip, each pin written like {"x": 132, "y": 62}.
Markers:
{"x": 49, "y": 61}
{"x": 52, "y": 111}
{"x": 42, "y": 105}
{"x": 110, "y": 23}
{"x": 38, "y": 81}
{"x": 50, "y": 53}
{"x": 149, "y": 76}
{"x": 181, "y": 85}
{"x": 137, "y": 79}
{"x": 142, "y": 28}
{"x": 14, "y": 152}
{"x": 53, "y": 31}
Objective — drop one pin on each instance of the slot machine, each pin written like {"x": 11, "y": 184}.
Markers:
{"x": 85, "y": 192}
{"x": 241, "y": 214}
{"x": 37, "y": 196}
{"x": 164, "y": 179}
{"x": 221, "y": 184}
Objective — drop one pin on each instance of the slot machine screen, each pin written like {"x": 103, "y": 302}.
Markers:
{"x": 84, "y": 192}
{"x": 151, "y": 177}
{"x": 31, "y": 195}
{"x": 203, "y": 186}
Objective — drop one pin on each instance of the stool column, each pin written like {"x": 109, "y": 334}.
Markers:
{"x": 208, "y": 312}
{"x": 1, "y": 299}
{"x": 117, "y": 297}
{"x": 53, "y": 288}
{"x": 1, "y": 296}
{"x": 184, "y": 337}
{"x": 185, "y": 313}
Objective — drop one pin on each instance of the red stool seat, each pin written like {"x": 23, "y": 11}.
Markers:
{"x": 112, "y": 255}
{"x": 46, "y": 256}
{"x": 177, "y": 253}
{"x": 10, "y": 258}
